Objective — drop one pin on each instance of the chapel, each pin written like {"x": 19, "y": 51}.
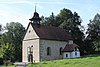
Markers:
{"x": 45, "y": 43}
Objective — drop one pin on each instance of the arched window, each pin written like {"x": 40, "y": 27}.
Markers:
{"x": 48, "y": 51}
{"x": 60, "y": 50}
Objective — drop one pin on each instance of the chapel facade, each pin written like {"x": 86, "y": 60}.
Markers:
{"x": 44, "y": 43}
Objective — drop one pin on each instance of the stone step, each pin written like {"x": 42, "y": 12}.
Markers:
{"x": 20, "y": 64}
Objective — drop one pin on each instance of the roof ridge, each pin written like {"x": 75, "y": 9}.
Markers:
{"x": 51, "y": 32}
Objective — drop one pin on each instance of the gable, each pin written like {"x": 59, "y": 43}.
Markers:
{"x": 30, "y": 33}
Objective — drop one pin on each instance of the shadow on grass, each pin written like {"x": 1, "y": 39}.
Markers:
{"x": 35, "y": 63}
{"x": 44, "y": 63}
{"x": 91, "y": 55}
{"x": 66, "y": 63}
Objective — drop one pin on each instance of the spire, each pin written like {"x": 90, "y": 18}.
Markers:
{"x": 35, "y": 7}
{"x": 35, "y": 19}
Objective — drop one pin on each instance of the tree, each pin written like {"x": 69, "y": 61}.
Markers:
{"x": 0, "y": 33}
{"x": 0, "y": 27}
{"x": 6, "y": 49}
{"x": 93, "y": 33}
{"x": 8, "y": 52}
{"x": 50, "y": 21}
{"x": 13, "y": 38}
{"x": 63, "y": 17}
{"x": 74, "y": 28}
{"x": 69, "y": 21}
{"x": 59, "y": 20}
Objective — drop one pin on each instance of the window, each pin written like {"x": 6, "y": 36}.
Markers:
{"x": 29, "y": 31}
{"x": 66, "y": 55}
{"x": 60, "y": 50}
{"x": 76, "y": 53}
{"x": 48, "y": 51}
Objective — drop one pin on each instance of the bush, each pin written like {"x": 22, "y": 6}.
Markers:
{"x": 1, "y": 61}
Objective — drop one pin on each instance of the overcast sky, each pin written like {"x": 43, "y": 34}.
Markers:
{"x": 22, "y": 10}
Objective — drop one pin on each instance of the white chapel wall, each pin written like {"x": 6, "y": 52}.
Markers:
{"x": 55, "y": 49}
{"x": 73, "y": 54}
{"x": 30, "y": 34}
{"x": 30, "y": 39}
{"x": 67, "y": 55}
{"x": 35, "y": 44}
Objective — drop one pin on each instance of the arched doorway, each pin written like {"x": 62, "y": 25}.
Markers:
{"x": 30, "y": 58}
{"x": 30, "y": 54}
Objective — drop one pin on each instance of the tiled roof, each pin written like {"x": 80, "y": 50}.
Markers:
{"x": 51, "y": 33}
{"x": 70, "y": 47}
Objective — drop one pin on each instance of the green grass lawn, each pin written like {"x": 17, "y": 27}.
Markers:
{"x": 86, "y": 61}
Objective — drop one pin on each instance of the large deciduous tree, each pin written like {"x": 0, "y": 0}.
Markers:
{"x": 12, "y": 40}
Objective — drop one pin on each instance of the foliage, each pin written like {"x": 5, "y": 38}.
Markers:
{"x": 69, "y": 21}
{"x": 50, "y": 21}
{"x": 1, "y": 61}
{"x": 0, "y": 31}
{"x": 15, "y": 36}
{"x": 93, "y": 33}
{"x": 11, "y": 42}
{"x": 0, "y": 27}
{"x": 86, "y": 61}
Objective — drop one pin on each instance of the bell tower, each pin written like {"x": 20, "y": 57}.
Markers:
{"x": 35, "y": 19}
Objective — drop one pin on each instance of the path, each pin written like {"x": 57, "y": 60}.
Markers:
{"x": 21, "y": 64}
